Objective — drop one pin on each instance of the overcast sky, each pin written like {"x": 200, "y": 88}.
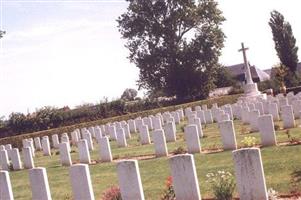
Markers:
{"x": 61, "y": 52}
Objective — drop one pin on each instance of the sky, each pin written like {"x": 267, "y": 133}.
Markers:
{"x": 66, "y": 53}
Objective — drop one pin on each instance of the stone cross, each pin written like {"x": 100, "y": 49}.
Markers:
{"x": 247, "y": 67}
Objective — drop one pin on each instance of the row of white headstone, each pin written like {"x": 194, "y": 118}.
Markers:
{"x": 248, "y": 172}
{"x": 192, "y": 132}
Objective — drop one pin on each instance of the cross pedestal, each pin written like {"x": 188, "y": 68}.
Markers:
{"x": 250, "y": 88}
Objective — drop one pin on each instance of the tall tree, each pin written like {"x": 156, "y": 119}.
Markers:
{"x": 175, "y": 44}
{"x": 285, "y": 44}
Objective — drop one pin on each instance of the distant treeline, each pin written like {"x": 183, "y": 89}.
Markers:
{"x": 50, "y": 117}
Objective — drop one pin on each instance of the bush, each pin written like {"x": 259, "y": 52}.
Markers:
{"x": 249, "y": 141}
{"x": 222, "y": 184}
{"x": 236, "y": 89}
{"x": 112, "y": 193}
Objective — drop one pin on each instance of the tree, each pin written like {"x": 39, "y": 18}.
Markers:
{"x": 129, "y": 94}
{"x": 175, "y": 44}
{"x": 224, "y": 78}
{"x": 285, "y": 45}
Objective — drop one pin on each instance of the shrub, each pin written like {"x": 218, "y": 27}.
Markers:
{"x": 222, "y": 184}
{"x": 112, "y": 193}
{"x": 249, "y": 141}
{"x": 169, "y": 193}
{"x": 68, "y": 120}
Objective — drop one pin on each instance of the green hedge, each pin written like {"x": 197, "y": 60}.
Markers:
{"x": 16, "y": 141}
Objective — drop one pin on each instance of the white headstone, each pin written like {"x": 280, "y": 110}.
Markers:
{"x": 65, "y": 139}
{"x": 267, "y": 131}
{"x": 287, "y": 116}
{"x": 253, "y": 116}
{"x": 156, "y": 121}
{"x": 273, "y": 110}
{"x": 65, "y": 154}
{"x": 184, "y": 176}
{"x": 81, "y": 182}
{"x": 160, "y": 143}
{"x": 105, "y": 149}
{"x": 37, "y": 143}
{"x": 249, "y": 174}
{"x": 15, "y": 159}
{"x": 144, "y": 135}
{"x": 84, "y": 154}
{"x": 198, "y": 124}
{"x": 112, "y": 132}
{"x": 192, "y": 139}
{"x": 227, "y": 131}
{"x": 46, "y": 146}
{"x": 39, "y": 184}
{"x": 4, "y": 161}
{"x": 259, "y": 107}
{"x": 6, "y": 192}
{"x": 208, "y": 116}
{"x": 200, "y": 114}
{"x": 88, "y": 137}
{"x": 132, "y": 125}
{"x": 129, "y": 180}
{"x": 27, "y": 156}
{"x": 296, "y": 108}
{"x": 55, "y": 141}
{"x": 245, "y": 115}
{"x": 127, "y": 131}
{"x": 74, "y": 137}
{"x": 170, "y": 132}
{"x": 121, "y": 140}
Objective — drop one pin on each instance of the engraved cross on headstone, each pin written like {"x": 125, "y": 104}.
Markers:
{"x": 247, "y": 67}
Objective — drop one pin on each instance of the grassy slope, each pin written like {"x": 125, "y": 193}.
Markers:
{"x": 279, "y": 162}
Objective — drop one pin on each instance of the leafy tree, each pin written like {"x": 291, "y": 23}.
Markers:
{"x": 285, "y": 45}
{"x": 224, "y": 78}
{"x": 175, "y": 44}
{"x": 129, "y": 94}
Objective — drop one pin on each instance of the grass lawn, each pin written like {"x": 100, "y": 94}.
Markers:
{"x": 279, "y": 163}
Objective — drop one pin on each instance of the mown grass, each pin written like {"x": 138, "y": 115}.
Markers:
{"x": 279, "y": 163}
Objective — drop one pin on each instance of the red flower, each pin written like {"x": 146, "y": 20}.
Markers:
{"x": 169, "y": 181}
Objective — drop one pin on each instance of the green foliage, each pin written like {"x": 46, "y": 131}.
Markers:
{"x": 175, "y": 44}
{"x": 280, "y": 75}
{"x": 222, "y": 184}
{"x": 249, "y": 141}
{"x": 285, "y": 45}
{"x": 224, "y": 78}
